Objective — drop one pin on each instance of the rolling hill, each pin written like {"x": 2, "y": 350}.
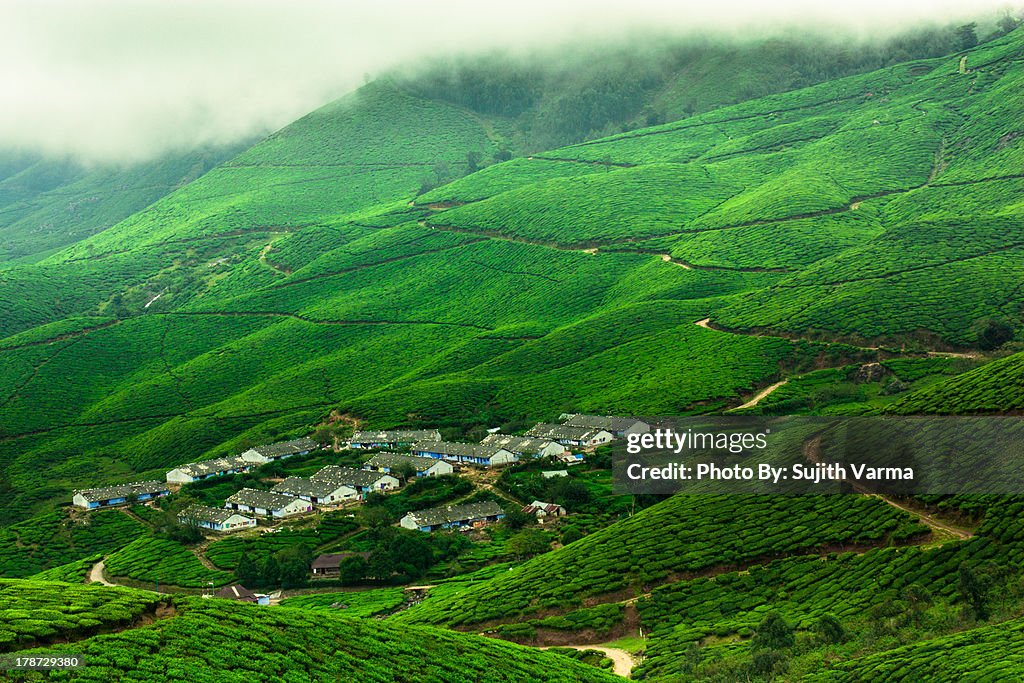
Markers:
{"x": 308, "y": 274}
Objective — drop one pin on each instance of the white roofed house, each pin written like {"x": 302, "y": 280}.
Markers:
{"x": 279, "y": 451}
{"x": 525, "y": 446}
{"x": 267, "y": 503}
{"x": 205, "y": 469}
{"x": 107, "y": 496}
{"x": 577, "y": 437}
{"x": 215, "y": 519}
{"x": 362, "y": 481}
{"x": 619, "y": 426}
{"x": 320, "y": 492}
{"x": 424, "y": 466}
{"x": 469, "y": 453}
{"x": 392, "y": 438}
{"x": 453, "y": 516}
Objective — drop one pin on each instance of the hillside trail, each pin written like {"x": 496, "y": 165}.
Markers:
{"x": 668, "y": 259}
{"x": 759, "y": 396}
{"x": 812, "y": 452}
{"x": 96, "y": 575}
{"x": 622, "y": 661}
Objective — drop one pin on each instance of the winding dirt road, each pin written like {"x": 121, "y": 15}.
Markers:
{"x": 759, "y": 396}
{"x": 96, "y": 575}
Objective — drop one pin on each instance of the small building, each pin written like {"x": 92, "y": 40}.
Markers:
{"x": 544, "y": 511}
{"x": 393, "y": 438}
{"x": 267, "y": 503}
{"x": 363, "y": 481}
{"x": 205, "y": 469}
{"x": 468, "y": 453}
{"x": 237, "y": 592}
{"x": 619, "y": 426}
{"x": 329, "y": 565}
{"x": 320, "y": 492}
{"x": 453, "y": 516}
{"x": 525, "y": 446}
{"x": 106, "y": 496}
{"x": 215, "y": 519}
{"x": 279, "y": 451}
{"x": 549, "y": 474}
{"x": 578, "y": 437}
{"x": 423, "y": 465}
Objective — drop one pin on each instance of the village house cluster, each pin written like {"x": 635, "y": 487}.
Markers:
{"x": 334, "y": 485}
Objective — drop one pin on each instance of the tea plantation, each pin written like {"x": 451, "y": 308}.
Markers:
{"x": 306, "y": 274}
{"x": 217, "y": 640}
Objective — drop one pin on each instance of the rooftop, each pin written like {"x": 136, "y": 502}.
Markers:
{"x": 205, "y": 467}
{"x": 456, "y": 513}
{"x": 267, "y": 500}
{"x": 612, "y": 423}
{"x": 457, "y": 448}
{"x": 122, "y": 490}
{"x": 389, "y": 460}
{"x": 336, "y": 475}
{"x": 567, "y": 432}
{"x": 395, "y": 435}
{"x": 277, "y": 450}
{"x": 203, "y": 513}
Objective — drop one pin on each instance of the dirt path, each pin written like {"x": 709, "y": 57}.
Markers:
{"x": 622, "y": 660}
{"x": 928, "y": 520}
{"x": 812, "y": 452}
{"x": 96, "y": 575}
{"x": 668, "y": 259}
{"x": 759, "y": 396}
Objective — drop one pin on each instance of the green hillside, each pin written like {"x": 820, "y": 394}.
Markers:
{"x": 879, "y": 206}
{"x": 995, "y": 387}
{"x": 130, "y": 635}
{"x": 46, "y": 204}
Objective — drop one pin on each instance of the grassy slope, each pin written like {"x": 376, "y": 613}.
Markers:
{"x": 216, "y": 640}
{"x": 303, "y": 263}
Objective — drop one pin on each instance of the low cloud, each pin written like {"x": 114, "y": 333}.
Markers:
{"x": 119, "y": 81}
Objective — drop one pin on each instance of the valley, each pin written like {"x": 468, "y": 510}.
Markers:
{"x": 413, "y": 259}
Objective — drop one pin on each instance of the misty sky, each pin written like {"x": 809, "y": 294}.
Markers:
{"x": 112, "y": 80}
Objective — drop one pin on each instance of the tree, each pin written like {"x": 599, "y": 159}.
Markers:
{"x": 270, "y": 572}
{"x": 353, "y": 569}
{"x": 405, "y": 471}
{"x": 516, "y": 519}
{"x": 527, "y": 543}
{"x": 974, "y": 590}
{"x": 773, "y": 633}
{"x": 770, "y": 644}
{"x": 830, "y": 630}
{"x": 472, "y": 161}
{"x": 293, "y": 571}
{"x": 571, "y": 535}
{"x": 992, "y": 332}
{"x": 966, "y": 36}
{"x": 1008, "y": 22}
{"x": 918, "y": 599}
{"x": 247, "y": 572}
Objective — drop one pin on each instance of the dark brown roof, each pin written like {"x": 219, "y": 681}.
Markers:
{"x": 333, "y": 560}
{"x": 237, "y": 592}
